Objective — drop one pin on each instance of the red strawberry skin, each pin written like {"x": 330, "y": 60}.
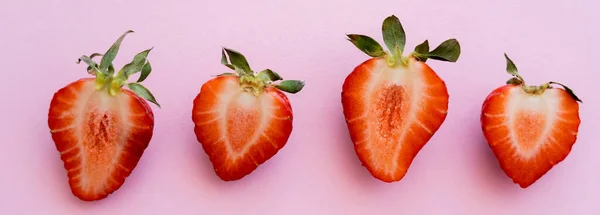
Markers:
{"x": 100, "y": 137}
{"x": 391, "y": 113}
{"x": 239, "y": 130}
{"x": 529, "y": 134}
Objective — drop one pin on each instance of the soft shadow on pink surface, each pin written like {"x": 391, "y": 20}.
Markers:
{"x": 201, "y": 169}
{"x": 199, "y": 162}
{"x": 494, "y": 178}
{"x": 489, "y": 176}
{"x": 357, "y": 174}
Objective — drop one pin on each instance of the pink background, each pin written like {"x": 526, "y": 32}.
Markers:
{"x": 317, "y": 172}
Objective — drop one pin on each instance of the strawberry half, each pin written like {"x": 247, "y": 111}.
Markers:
{"x": 100, "y": 129}
{"x": 529, "y": 128}
{"x": 242, "y": 119}
{"x": 393, "y": 104}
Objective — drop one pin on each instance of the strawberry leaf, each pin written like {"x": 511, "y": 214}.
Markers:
{"x": 92, "y": 66}
{"x": 449, "y": 51}
{"x": 146, "y": 70}
{"x": 290, "y": 86}
{"x": 224, "y": 60}
{"x": 238, "y": 61}
{"x": 137, "y": 64}
{"x": 141, "y": 91}
{"x": 87, "y": 60}
{"x": 110, "y": 55}
{"x": 367, "y": 45}
{"x": 226, "y": 74}
{"x": 393, "y": 35}
{"x": 569, "y": 91}
{"x": 422, "y": 48}
{"x": 421, "y": 51}
{"x": 95, "y": 55}
{"x": 268, "y": 75}
{"x": 111, "y": 70}
{"x": 511, "y": 68}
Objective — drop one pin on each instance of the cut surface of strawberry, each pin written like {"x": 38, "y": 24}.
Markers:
{"x": 100, "y": 130}
{"x": 243, "y": 119}
{"x": 530, "y": 129}
{"x": 394, "y": 104}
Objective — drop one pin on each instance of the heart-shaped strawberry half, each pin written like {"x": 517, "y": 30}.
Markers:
{"x": 100, "y": 128}
{"x": 394, "y": 104}
{"x": 529, "y": 128}
{"x": 243, "y": 119}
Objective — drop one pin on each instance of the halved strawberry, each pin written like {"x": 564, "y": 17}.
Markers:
{"x": 393, "y": 104}
{"x": 242, "y": 119}
{"x": 529, "y": 128}
{"x": 100, "y": 129}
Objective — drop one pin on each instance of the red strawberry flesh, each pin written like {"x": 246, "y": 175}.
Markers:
{"x": 100, "y": 137}
{"x": 391, "y": 113}
{"x": 238, "y": 129}
{"x": 530, "y": 133}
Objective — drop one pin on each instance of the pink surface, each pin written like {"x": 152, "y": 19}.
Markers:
{"x": 317, "y": 172}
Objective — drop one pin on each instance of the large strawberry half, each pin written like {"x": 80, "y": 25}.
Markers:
{"x": 393, "y": 104}
{"x": 529, "y": 128}
{"x": 242, "y": 119}
{"x": 100, "y": 128}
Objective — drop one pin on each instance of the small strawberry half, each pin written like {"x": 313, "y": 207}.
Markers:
{"x": 393, "y": 104}
{"x": 100, "y": 129}
{"x": 529, "y": 128}
{"x": 242, "y": 119}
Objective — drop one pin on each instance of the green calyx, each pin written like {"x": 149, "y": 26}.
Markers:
{"x": 106, "y": 79}
{"x": 518, "y": 80}
{"x": 394, "y": 38}
{"x": 256, "y": 82}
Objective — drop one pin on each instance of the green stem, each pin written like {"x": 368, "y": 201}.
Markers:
{"x": 535, "y": 90}
{"x": 396, "y": 60}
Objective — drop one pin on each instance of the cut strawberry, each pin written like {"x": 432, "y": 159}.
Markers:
{"x": 243, "y": 119}
{"x": 100, "y": 129}
{"x": 530, "y": 129}
{"x": 394, "y": 104}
